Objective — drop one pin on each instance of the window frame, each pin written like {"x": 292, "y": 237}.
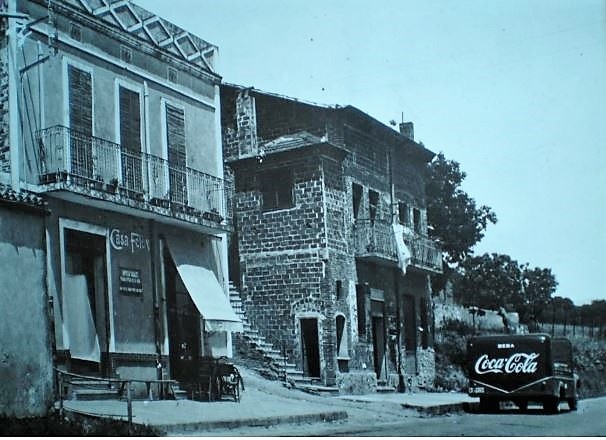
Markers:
{"x": 272, "y": 184}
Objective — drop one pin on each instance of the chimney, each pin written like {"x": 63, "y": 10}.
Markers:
{"x": 246, "y": 120}
{"x": 407, "y": 130}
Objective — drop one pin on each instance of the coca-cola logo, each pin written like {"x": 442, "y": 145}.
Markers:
{"x": 525, "y": 363}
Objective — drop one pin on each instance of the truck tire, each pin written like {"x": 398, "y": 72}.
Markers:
{"x": 572, "y": 403}
{"x": 551, "y": 404}
{"x": 489, "y": 405}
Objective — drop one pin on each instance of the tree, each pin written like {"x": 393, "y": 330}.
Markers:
{"x": 454, "y": 219}
{"x": 490, "y": 281}
{"x": 538, "y": 286}
{"x": 494, "y": 281}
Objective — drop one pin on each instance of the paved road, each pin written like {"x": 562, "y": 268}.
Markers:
{"x": 588, "y": 420}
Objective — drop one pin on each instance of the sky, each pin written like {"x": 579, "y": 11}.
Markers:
{"x": 513, "y": 90}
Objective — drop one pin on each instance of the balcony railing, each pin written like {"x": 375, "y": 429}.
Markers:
{"x": 375, "y": 239}
{"x": 83, "y": 161}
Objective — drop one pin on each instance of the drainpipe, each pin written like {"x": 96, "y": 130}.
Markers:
{"x": 392, "y": 195}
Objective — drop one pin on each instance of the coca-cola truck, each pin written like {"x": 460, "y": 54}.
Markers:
{"x": 534, "y": 368}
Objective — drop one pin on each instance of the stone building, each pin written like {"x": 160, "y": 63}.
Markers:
{"x": 330, "y": 249}
{"x": 111, "y": 115}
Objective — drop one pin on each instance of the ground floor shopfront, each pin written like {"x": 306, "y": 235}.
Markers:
{"x": 134, "y": 296}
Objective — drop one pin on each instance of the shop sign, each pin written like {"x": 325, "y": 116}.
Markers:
{"x": 123, "y": 240}
{"x": 130, "y": 281}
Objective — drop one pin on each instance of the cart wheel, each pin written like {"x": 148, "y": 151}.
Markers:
{"x": 551, "y": 405}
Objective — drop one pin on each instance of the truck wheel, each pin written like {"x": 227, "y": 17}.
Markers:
{"x": 551, "y": 405}
{"x": 572, "y": 403}
{"x": 489, "y": 405}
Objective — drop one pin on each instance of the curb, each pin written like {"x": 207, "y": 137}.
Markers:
{"x": 437, "y": 410}
{"x": 329, "y": 416}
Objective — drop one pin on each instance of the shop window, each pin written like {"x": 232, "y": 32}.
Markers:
{"x": 373, "y": 204}
{"x": 356, "y": 191}
{"x": 277, "y": 190}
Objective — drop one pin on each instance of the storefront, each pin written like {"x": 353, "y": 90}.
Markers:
{"x": 133, "y": 291}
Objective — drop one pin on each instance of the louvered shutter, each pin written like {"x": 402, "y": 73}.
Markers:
{"x": 130, "y": 139}
{"x": 80, "y": 122}
{"x": 177, "y": 159}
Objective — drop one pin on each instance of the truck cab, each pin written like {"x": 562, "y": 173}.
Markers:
{"x": 522, "y": 369}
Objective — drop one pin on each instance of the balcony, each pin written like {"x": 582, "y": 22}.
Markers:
{"x": 118, "y": 179}
{"x": 374, "y": 241}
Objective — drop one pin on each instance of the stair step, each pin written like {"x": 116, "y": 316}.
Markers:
{"x": 319, "y": 389}
{"x": 94, "y": 394}
{"x": 385, "y": 389}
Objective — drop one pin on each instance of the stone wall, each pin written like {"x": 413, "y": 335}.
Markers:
{"x": 5, "y": 163}
{"x": 25, "y": 346}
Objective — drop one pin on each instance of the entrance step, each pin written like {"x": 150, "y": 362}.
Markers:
{"x": 319, "y": 390}
{"x": 385, "y": 389}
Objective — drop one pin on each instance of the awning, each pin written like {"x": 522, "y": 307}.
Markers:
{"x": 203, "y": 287}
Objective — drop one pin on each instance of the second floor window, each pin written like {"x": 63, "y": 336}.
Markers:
{"x": 403, "y": 213}
{"x": 373, "y": 204}
{"x": 356, "y": 191}
{"x": 177, "y": 159}
{"x": 417, "y": 220}
{"x": 277, "y": 190}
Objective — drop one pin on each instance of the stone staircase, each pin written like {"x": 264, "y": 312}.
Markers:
{"x": 274, "y": 359}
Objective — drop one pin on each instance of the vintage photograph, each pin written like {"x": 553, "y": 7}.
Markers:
{"x": 268, "y": 218}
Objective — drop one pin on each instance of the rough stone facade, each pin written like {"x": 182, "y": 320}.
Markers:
{"x": 310, "y": 183}
{"x": 5, "y": 162}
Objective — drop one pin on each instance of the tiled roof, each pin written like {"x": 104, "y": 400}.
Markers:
{"x": 24, "y": 197}
{"x": 291, "y": 142}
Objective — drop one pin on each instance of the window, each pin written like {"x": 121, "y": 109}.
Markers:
{"x": 361, "y": 306}
{"x": 126, "y": 54}
{"x": 130, "y": 138}
{"x": 177, "y": 158}
{"x": 403, "y": 213}
{"x": 277, "y": 189}
{"x": 339, "y": 289}
{"x": 75, "y": 32}
{"x": 417, "y": 220}
{"x": 80, "y": 97}
{"x": 373, "y": 204}
{"x": 356, "y": 191}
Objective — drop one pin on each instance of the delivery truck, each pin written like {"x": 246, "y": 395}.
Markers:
{"x": 533, "y": 368}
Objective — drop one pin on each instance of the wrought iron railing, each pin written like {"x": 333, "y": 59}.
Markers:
{"x": 376, "y": 238}
{"x": 82, "y": 160}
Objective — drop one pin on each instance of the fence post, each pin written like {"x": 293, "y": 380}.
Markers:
{"x": 129, "y": 407}
{"x": 60, "y": 393}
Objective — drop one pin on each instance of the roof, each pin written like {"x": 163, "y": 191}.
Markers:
{"x": 411, "y": 147}
{"x": 147, "y": 26}
{"x": 25, "y": 198}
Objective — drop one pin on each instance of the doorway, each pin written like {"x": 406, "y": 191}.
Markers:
{"x": 310, "y": 347}
{"x": 378, "y": 338}
{"x": 183, "y": 320}
{"x": 86, "y": 301}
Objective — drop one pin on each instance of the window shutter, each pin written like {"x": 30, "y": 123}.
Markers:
{"x": 175, "y": 121}
{"x": 130, "y": 120}
{"x": 80, "y": 101}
